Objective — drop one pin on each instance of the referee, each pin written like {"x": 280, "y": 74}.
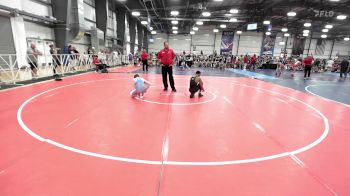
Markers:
{"x": 166, "y": 57}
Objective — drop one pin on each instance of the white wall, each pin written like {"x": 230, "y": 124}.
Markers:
{"x": 249, "y": 43}
{"x": 36, "y": 8}
{"x": 33, "y": 30}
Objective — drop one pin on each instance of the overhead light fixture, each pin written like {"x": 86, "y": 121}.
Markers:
{"x": 305, "y": 34}
{"x": 151, "y": 28}
{"x": 291, "y": 14}
{"x": 233, "y": 11}
{"x": 324, "y": 36}
{"x": 334, "y": 0}
{"x": 286, "y": 35}
{"x": 195, "y": 28}
{"x": 325, "y": 30}
{"x": 199, "y": 23}
{"x": 233, "y": 20}
{"x": 239, "y": 32}
{"x": 228, "y": 15}
{"x": 174, "y": 28}
{"x": 307, "y": 24}
{"x": 192, "y": 32}
{"x": 174, "y": 13}
{"x": 206, "y": 14}
{"x": 144, "y": 22}
{"x": 218, "y": 0}
{"x": 268, "y": 33}
{"x": 266, "y": 22}
{"x": 135, "y": 13}
{"x": 284, "y": 29}
{"x": 306, "y": 31}
{"x": 174, "y": 22}
{"x": 281, "y": 43}
{"x": 188, "y": 39}
{"x": 329, "y": 26}
{"x": 346, "y": 38}
{"x": 341, "y": 17}
{"x": 175, "y": 32}
{"x": 153, "y": 32}
{"x": 222, "y": 26}
{"x": 269, "y": 29}
{"x": 215, "y": 30}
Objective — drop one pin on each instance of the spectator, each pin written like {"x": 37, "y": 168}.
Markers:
{"x": 33, "y": 54}
{"x": 308, "y": 65}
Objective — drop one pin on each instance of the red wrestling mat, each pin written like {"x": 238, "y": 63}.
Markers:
{"x": 87, "y": 136}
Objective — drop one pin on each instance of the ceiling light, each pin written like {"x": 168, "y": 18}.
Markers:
{"x": 175, "y": 32}
{"x": 206, "y": 14}
{"x": 188, "y": 39}
{"x": 307, "y": 24}
{"x": 269, "y": 29}
{"x": 239, "y": 32}
{"x": 192, "y": 32}
{"x": 233, "y": 20}
{"x": 324, "y": 36}
{"x": 233, "y": 11}
{"x": 305, "y": 34}
{"x": 329, "y": 26}
{"x": 306, "y": 31}
{"x": 174, "y": 13}
{"x": 281, "y": 43}
{"x": 325, "y": 30}
{"x": 151, "y": 28}
{"x": 174, "y": 22}
{"x": 215, "y": 30}
{"x": 286, "y": 35}
{"x": 144, "y": 22}
{"x": 291, "y": 14}
{"x": 195, "y": 28}
{"x": 266, "y": 22}
{"x": 341, "y": 17}
{"x": 153, "y": 32}
{"x": 268, "y": 33}
{"x": 174, "y": 28}
{"x": 284, "y": 29}
{"x": 223, "y": 26}
{"x": 135, "y": 13}
{"x": 346, "y": 38}
{"x": 228, "y": 14}
{"x": 334, "y": 0}
{"x": 218, "y": 0}
{"x": 199, "y": 23}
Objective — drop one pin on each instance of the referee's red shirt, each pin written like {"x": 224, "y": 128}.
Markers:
{"x": 144, "y": 56}
{"x": 166, "y": 56}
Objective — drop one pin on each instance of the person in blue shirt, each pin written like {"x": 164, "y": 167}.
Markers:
{"x": 141, "y": 86}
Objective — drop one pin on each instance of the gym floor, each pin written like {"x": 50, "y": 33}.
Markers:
{"x": 85, "y": 135}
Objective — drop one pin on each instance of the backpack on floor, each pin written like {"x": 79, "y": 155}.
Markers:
{"x": 104, "y": 70}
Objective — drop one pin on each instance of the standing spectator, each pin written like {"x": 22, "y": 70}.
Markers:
{"x": 33, "y": 54}
{"x": 344, "y": 68}
{"x": 166, "y": 57}
{"x": 246, "y": 60}
{"x": 55, "y": 59}
{"x": 144, "y": 58}
{"x": 308, "y": 65}
{"x": 253, "y": 62}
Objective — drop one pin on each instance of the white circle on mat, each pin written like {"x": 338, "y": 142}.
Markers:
{"x": 179, "y": 163}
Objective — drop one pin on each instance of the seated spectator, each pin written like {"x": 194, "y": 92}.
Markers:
{"x": 99, "y": 66}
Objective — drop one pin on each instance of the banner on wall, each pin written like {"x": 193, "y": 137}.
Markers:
{"x": 226, "y": 43}
{"x": 298, "y": 46}
{"x": 268, "y": 45}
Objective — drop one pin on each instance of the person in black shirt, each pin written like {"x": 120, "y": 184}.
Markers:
{"x": 344, "y": 68}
